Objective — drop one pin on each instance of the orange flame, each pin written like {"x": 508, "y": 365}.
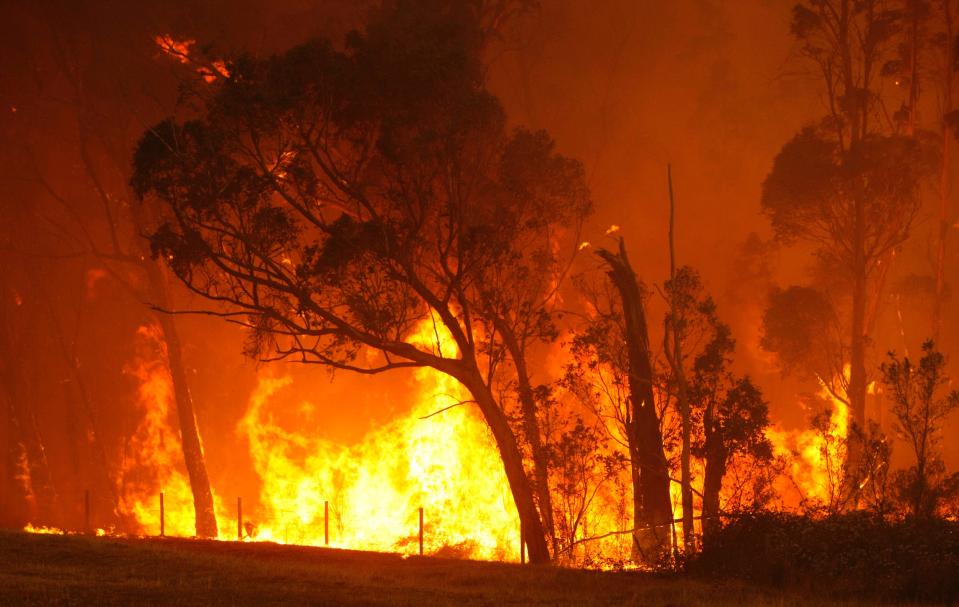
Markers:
{"x": 153, "y": 459}
{"x": 445, "y": 463}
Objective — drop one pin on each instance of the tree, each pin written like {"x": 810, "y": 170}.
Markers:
{"x": 581, "y": 466}
{"x": 847, "y": 186}
{"x": 733, "y": 417}
{"x": 800, "y": 325}
{"x": 331, "y": 201}
{"x": 95, "y": 217}
{"x": 678, "y": 289}
{"x": 920, "y": 409}
{"x": 617, "y": 344}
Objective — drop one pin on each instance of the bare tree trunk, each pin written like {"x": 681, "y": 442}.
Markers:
{"x": 532, "y": 430}
{"x": 652, "y": 510}
{"x": 945, "y": 174}
{"x": 712, "y": 486}
{"x": 519, "y": 483}
{"x": 103, "y": 487}
{"x": 206, "y": 525}
{"x": 676, "y": 361}
{"x": 857, "y": 362}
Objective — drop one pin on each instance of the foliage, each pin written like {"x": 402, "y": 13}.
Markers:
{"x": 801, "y": 327}
{"x": 580, "y": 466}
{"x": 334, "y": 202}
{"x": 849, "y": 555}
{"x": 920, "y": 409}
{"x": 336, "y": 197}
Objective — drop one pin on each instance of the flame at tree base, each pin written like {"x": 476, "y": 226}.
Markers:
{"x": 445, "y": 464}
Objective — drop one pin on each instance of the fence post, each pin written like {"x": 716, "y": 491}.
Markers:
{"x": 86, "y": 511}
{"x": 239, "y": 519}
{"x": 162, "y": 513}
{"x": 326, "y": 523}
{"x": 522, "y": 544}
{"x": 421, "y": 531}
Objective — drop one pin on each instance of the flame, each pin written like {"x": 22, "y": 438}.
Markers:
{"x": 439, "y": 457}
{"x": 814, "y": 458}
{"x": 153, "y": 459}
{"x": 181, "y": 50}
{"x": 31, "y": 528}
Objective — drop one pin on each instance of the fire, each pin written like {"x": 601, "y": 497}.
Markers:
{"x": 30, "y": 528}
{"x": 438, "y": 457}
{"x": 153, "y": 459}
{"x": 814, "y": 457}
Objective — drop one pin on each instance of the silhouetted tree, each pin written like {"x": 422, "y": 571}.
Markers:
{"x": 332, "y": 201}
{"x": 919, "y": 409}
{"x": 733, "y": 417}
{"x": 617, "y": 344}
{"x": 846, "y": 185}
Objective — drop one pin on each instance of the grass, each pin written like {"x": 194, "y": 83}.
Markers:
{"x": 79, "y": 570}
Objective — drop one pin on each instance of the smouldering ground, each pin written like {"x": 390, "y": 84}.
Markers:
{"x": 75, "y": 570}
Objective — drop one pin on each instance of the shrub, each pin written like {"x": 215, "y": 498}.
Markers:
{"x": 855, "y": 554}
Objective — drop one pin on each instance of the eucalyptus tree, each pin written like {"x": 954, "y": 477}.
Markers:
{"x": 332, "y": 200}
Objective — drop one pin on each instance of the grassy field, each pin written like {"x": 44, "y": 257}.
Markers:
{"x": 76, "y": 570}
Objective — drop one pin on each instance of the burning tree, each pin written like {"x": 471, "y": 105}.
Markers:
{"x": 849, "y": 185}
{"x": 731, "y": 413}
{"x": 331, "y": 200}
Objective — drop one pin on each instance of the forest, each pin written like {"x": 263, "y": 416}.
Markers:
{"x": 617, "y": 286}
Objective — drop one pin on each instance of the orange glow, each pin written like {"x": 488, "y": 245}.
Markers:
{"x": 445, "y": 463}
{"x": 814, "y": 458}
{"x": 153, "y": 459}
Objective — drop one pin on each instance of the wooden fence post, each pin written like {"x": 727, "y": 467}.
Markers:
{"x": 421, "y": 531}
{"x": 162, "y": 513}
{"x": 522, "y": 543}
{"x": 239, "y": 519}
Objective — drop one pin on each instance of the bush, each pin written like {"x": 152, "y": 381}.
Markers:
{"x": 855, "y": 554}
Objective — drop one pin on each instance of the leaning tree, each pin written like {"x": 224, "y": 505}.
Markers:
{"x": 333, "y": 200}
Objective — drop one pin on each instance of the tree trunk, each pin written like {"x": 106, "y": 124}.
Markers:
{"x": 532, "y": 431}
{"x": 712, "y": 486}
{"x": 857, "y": 363}
{"x": 652, "y": 510}
{"x": 104, "y": 488}
{"x": 945, "y": 181}
{"x": 519, "y": 483}
{"x": 682, "y": 393}
{"x": 189, "y": 433}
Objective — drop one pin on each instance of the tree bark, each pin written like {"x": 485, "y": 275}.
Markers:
{"x": 857, "y": 362}
{"x": 945, "y": 175}
{"x": 519, "y": 482}
{"x": 652, "y": 510}
{"x": 682, "y": 392}
{"x": 532, "y": 431}
{"x": 712, "y": 480}
{"x": 206, "y": 525}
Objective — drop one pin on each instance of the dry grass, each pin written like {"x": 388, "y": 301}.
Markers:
{"x": 75, "y": 570}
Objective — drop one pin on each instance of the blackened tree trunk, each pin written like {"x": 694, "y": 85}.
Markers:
{"x": 206, "y": 525}
{"x": 652, "y": 511}
{"x": 519, "y": 483}
{"x": 675, "y": 339}
{"x": 857, "y": 359}
{"x": 531, "y": 429}
{"x": 716, "y": 459}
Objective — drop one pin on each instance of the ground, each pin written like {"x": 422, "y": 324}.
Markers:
{"x": 80, "y": 570}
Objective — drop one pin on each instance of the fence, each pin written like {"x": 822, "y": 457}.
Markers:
{"x": 242, "y": 532}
